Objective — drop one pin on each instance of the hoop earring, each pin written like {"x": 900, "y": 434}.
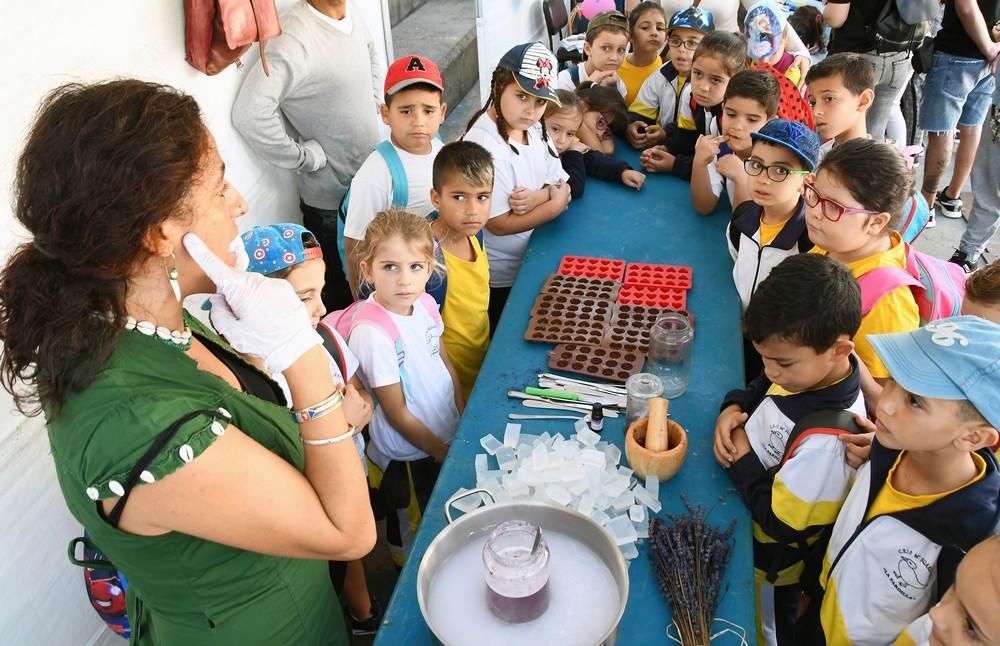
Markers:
{"x": 172, "y": 277}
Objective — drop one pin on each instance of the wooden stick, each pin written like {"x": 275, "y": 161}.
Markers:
{"x": 656, "y": 426}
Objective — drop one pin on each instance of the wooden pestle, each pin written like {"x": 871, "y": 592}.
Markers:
{"x": 656, "y": 425}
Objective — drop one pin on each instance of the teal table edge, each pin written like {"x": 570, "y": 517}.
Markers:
{"x": 655, "y": 225}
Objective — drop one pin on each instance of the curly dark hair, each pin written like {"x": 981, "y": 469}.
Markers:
{"x": 104, "y": 163}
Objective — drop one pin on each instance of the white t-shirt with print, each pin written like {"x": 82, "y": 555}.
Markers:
{"x": 533, "y": 167}
{"x": 371, "y": 188}
{"x": 565, "y": 81}
{"x": 429, "y": 390}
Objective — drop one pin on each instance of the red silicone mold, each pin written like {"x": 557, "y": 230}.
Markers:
{"x": 572, "y": 308}
{"x": 609, "y": 364}
{"x": 673, "y": 276}
{"x": 581, "y": 287}
{"x": 592, "y": 267}
{"x": 665, "y": 297}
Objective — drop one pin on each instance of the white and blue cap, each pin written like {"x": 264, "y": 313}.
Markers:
{"x": 275, "y": 247}
{"x": 764, "y": 27}
{"x": 955, "y": 358}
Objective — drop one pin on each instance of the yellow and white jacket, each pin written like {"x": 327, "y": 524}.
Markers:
{"x": 881, "y": 574}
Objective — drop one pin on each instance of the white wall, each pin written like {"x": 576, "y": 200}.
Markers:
{"x": 501, "y": 24}
{"x": 47, "y": 43}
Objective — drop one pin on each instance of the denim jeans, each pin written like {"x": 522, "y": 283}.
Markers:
{"x": 892, "y": 73}
{"x": 957, "y": 92}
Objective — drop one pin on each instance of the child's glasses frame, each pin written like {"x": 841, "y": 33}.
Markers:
{"x": 753, "y": 168}
{"x": 831, "y": 209}
{"x": 691, "y": 44}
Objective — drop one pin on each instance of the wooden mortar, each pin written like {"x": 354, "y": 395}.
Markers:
{"x": 664, "y": 464}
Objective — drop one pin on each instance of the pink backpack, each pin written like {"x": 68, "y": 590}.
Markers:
{"x": 938, "y": 286}
{"x": 368, "y": 312}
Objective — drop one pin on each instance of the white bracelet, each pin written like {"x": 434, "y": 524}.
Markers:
{"x": 325, "y": 407}
{"x": 351, "y": 431}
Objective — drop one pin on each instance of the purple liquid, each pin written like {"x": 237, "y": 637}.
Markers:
{"x": 517, "y": 610}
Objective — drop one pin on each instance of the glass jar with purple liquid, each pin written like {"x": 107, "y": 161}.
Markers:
{"x": 516, "y": 557}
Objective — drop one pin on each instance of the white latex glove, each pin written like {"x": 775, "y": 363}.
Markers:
{"x": 258, "y": 315}
{"x": 315, "y": 156}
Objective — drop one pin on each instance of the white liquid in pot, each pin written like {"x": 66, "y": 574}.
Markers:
{"x": 583, "y": 602}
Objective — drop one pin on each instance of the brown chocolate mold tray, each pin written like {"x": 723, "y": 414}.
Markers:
{"x": 579, "y": 287}
{"x": 630, "y": 327}
{"x": 607, "y": 364}
{"x": 572, "y": 308}
{"x": 557, "y": 329}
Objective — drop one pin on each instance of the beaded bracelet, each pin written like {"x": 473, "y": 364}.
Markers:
{"x": 351, "y": 431}
{"x": 325, "y": 407}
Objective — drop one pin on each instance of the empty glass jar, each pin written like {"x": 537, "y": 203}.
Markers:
{"x": 670, "y": 341}
{"x": 517, "y": 572}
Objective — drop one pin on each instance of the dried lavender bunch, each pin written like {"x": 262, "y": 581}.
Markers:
{"x": 689, "y": 558}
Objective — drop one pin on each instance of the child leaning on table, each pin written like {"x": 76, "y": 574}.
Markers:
{"x": 419, "y": 397}
{"x": 647, "y": 34}
{"x": 719, "y": 56}
{"x": 463, "y": 194}
{"x": 529, "y": 184}
{"x": 563, "y": 123}
{"x": 751, "y": 100}
{"x": 930, "y": 490}
{"x": 801, "y": 320}
{"x": 852, "y": 207}
{"x": 291, "y": 252}
{"x": 604, "y": 49}
{"x": 967, "y": 613}
{"x": 414, "y": 111}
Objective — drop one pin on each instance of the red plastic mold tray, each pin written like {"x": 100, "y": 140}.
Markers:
{"x": 592, "y": 267}
{"x": 653, "y": 296}
{"x": 672, "y": 276}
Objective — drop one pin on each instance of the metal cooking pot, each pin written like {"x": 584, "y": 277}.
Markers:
{"x": 482, "y": 521}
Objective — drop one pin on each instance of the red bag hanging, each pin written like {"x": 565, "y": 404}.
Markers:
{"x": 218, "y": 32}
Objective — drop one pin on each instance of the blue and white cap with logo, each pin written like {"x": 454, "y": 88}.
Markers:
{"x": 534, "y": 69}
{"x": 956, "y": 358}
{"x": 275, "y": 247}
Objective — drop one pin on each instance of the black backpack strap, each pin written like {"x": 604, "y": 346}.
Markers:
{"x": 331, "y": 345}
{"x": 574, "y": 74}
{"x": 161, "y": 440}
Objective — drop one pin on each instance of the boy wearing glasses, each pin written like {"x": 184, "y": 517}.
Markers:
{"x": 801, "y": 320}
{"x": 656, "y": 106}
{"x": 852, "y": 208}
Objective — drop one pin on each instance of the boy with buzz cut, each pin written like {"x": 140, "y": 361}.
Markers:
{"x": 463, "y": 194}
{"x": 604, "y": 49}
{"x": 801, "y": 320}
{"x": 841, "y": 91}
{"x": 398, "y": 172}
{"x": 658, "y": 103}
{"x": 930, "y": 490}
{"x": 751, "y": 101}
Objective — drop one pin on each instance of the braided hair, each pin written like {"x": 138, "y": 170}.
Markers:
{"x": 501, "y": 78}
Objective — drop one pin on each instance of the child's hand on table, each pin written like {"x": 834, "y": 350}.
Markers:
{"x": 708, "y": 148}
{"x": 730, "y": 419}
{"x": 633, "y": 178}
{"x": 859, "y": 447}
{"x": 657, "y": 160}
{"x": 637, "y": 133}
{"x": 579, "y": 146}
{"x": 730, "y": 166}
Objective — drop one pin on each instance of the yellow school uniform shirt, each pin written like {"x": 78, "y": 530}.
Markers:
{"x": 466, "y": 321}
{"x": 768, "y": 232}
{"x": 890, "y": 500}
{"x": 634, "y": 76}
{"x": 894, "y": 312}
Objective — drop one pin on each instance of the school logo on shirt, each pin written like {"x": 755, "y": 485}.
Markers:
{"x": 433, "y": 338}
{"x": 776, "y": 441}
{"x": 911, "y": 574}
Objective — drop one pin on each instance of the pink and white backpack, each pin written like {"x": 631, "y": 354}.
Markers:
{"x": 938, "y": 286}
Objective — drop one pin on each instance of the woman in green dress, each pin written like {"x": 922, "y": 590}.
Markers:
{"x": 233, "y": 507}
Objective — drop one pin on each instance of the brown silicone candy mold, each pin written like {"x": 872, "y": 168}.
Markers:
{"x": 607, "y": 364}
{"x": 572, "y": 308}
{"x": 631, "y": 325}
{"x": 557, "y": 329}
{"x": 581, "y": 287}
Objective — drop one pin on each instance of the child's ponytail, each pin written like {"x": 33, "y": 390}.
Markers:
{"x": 500, "y": 80}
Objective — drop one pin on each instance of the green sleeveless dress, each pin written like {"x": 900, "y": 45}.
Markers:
{"x": 182, "y": 589}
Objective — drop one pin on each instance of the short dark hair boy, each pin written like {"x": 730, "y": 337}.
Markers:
{"x": 464, "y": 158}
{"x": 759, "y": 85}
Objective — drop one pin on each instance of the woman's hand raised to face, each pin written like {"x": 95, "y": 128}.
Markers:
{"x": 258, "y": 315}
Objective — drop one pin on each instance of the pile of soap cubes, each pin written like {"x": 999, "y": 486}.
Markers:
{"x": 581, "y": 472}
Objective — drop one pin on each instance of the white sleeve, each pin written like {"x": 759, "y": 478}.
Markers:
{"x": 554, "y": 171}
{"x": 371, "y": 192}
{"x": 376, "y": 356}
{"x": 716, "y": 179}
{"x": 564, "y": 81}
{"x": 503, "y": 173}
{"x": 622, "y": 88}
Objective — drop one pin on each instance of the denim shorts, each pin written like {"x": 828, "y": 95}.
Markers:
{"x": 958, "y": 91}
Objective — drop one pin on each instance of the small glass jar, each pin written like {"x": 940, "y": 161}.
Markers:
{"x": 670, "y": 343}
{"x": 639, "y": 389}
{"x": 517, "y": 578}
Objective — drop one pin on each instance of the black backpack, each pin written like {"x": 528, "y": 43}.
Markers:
{"x": 902, "y": 25}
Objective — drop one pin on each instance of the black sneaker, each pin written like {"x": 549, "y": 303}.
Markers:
{"x": 950, "y": 207}
{"x": 370, "y": 625}
{"x": 961, "y": 259}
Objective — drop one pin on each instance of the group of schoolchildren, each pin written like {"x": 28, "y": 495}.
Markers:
{"x": 434, "y": 234}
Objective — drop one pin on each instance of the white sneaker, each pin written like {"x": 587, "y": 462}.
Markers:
{"x": 951, "y": 207}
{"x": 931, "y": 221}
